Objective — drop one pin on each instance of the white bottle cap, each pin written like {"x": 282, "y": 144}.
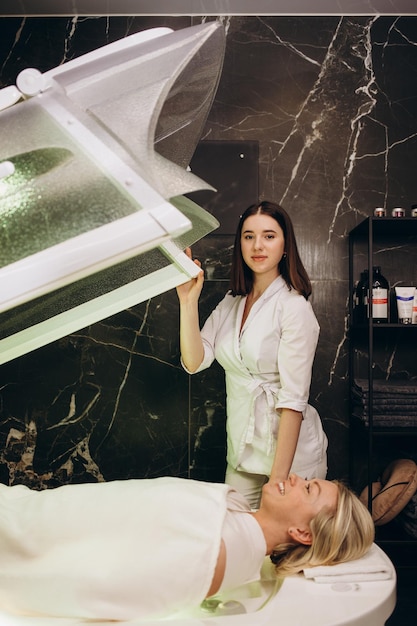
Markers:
{"x": 30, "y": 82}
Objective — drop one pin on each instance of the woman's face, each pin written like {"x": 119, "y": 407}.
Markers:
{"x": 262, "y": 243}
{"x": 302, "y": 500}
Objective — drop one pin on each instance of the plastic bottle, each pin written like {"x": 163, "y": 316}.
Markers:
{"x": 360, "y": 299}
{"x": 380, "y": 291}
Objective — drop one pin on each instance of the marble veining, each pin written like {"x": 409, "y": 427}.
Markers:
{"x": 332, "y": 103}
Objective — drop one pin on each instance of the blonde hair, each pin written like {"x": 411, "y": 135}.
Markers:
{"x": 337, "y": 536}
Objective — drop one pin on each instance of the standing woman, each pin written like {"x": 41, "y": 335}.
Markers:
{"x": 264, "y": 334}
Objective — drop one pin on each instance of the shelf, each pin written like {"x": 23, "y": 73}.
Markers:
{"x": 402, "y": 552}
{"x": 381, "y": 431}
{"x": 388, "y": 325}
{"x": 377, "y": 438}
{"x": 385, "y": 226}
{"x": 400, "y": 547}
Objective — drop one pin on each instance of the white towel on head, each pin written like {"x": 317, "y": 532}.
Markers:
{"x": 372, "y": 566}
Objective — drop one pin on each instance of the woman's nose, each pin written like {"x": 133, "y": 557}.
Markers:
{"x": 293, "y": 479}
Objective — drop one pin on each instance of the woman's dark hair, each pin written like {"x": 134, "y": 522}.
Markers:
{"x": 290, "y": 267}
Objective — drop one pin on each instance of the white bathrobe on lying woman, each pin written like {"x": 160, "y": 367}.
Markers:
{"x": 121, "y": 550}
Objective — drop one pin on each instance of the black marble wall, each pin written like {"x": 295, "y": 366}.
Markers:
{"x": 332, "y": 105}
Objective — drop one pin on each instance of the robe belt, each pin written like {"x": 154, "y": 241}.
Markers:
{"x": 257, "y": 388}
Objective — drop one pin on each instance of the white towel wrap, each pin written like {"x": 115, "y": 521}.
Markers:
{"x": 119, "y": 550}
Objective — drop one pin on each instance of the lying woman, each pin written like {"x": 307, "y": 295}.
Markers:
{"x": 149, "y": 548}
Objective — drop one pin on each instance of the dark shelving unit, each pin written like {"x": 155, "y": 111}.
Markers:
{"x": 380, "y": 241}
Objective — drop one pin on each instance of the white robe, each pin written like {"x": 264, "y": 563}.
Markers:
{"x": 268, "y": 366}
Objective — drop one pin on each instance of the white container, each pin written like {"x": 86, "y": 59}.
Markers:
{"x": 414, "y": 318}
{"x": 405, "y": 303}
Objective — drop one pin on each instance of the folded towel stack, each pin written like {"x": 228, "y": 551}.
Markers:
{"x": 394, "y": 402}
{"x": 373, "y": 566}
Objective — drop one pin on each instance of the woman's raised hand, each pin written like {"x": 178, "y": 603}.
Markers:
{"x": 191, "y": 290}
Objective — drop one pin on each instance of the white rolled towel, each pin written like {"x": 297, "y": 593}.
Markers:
{"x": 374, "y": 565}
